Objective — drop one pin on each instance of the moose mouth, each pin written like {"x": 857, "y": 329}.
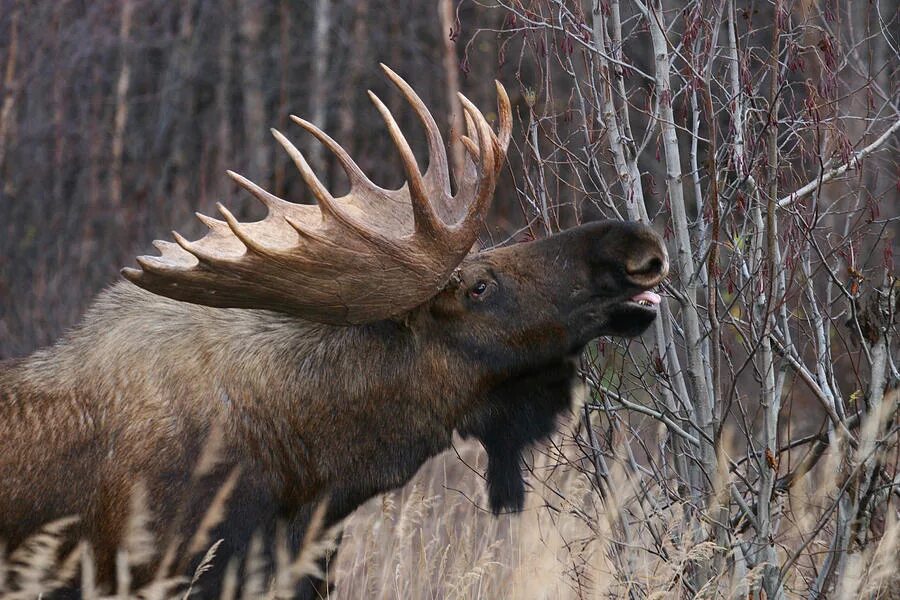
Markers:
{"x": 628, "y": 317}
{"x": 647, "y": 299}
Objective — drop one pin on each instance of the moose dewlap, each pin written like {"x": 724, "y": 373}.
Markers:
{"x": 328, "y": 351}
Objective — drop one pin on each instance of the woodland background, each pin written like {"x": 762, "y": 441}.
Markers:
{"x": 748, "y": 445}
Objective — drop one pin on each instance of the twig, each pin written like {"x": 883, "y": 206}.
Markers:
{"x": 827, "y": 176}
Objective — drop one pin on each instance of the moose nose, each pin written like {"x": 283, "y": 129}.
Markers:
{"x": 649, "y": 267}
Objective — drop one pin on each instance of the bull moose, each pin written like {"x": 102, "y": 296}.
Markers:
{"x": 335, "y": 346}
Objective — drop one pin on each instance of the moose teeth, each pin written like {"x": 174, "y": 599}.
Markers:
{"x": 645, "y": 303}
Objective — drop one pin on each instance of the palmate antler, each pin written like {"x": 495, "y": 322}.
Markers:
{"x": 369, "y": 255}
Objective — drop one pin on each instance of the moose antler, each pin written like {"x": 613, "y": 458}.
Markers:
{"x": 369, "y": 255}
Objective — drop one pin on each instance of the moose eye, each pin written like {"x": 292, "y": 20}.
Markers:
{"x": 478, "y": 290}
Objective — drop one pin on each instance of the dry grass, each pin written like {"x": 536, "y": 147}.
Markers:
{"x": 435, "y": 539}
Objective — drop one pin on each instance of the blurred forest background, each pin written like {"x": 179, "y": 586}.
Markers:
{"x": 748, "y": 443}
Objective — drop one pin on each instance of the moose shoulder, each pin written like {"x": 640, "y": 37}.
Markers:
{"x": 334, "y": 349}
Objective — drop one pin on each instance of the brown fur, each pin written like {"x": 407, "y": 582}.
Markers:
{"x": 307, "y": 411}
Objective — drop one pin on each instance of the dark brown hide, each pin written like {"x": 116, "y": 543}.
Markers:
{"x": 306, "y": 411}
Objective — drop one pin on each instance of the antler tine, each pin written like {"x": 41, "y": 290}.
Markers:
{"x": 500, "y": 140}
{"x": 193, "y": 249}
{"x": 326, "y": 201}
{"x": 467, "y": 141}
{"x": 437, "y": 161}
{"x": 483, "y": 131}
{"x": 269, "y": 200}
{"x": 239, "y": 232}
{"x": 150, "y": 264}
{"x": 504, "y": 129}
{"x": 210, "y": 222}
{"x": 426, "y": 220}
{"x": 323, "y": 196}
{"x": 471, "y": 146}
{"x": 488, "y": 171}
{"x": 350, "y": 167}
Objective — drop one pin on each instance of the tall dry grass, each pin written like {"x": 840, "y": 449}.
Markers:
{"x": 436, "y": 538}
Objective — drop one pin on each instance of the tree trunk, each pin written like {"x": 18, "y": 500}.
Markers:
{"x": 449, "y": 33}
{"x": 58, "y": 100}
{"x": 359, "y": 53}
{"x": 9, "y": 94}
{"x": 251, "y": 19}
{"x": 284, "y": 59}
{"x": 320, "y": 88}
{"x": 224, "y": 155}
{"x": 121, "y": 115}
{"x": 184, "y": 171}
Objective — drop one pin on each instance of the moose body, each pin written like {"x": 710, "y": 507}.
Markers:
{"x": 305, "y": 410}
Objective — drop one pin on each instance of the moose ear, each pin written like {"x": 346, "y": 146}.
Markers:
{"x": 513, "y": 416}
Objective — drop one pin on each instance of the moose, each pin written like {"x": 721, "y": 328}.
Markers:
{"x": 334, "y": 346}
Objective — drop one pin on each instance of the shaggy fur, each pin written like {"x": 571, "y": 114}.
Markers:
{"x": 305, "y": 411}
